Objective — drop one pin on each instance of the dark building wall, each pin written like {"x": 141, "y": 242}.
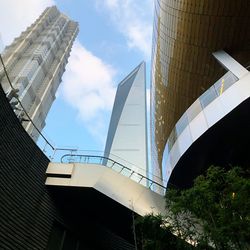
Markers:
{"x": 98, "y": 221}
{"x": 33, "y": 216}
{"x": 26, "y": 209}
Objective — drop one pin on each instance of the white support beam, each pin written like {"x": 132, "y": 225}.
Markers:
{"x": 230, "y": 63}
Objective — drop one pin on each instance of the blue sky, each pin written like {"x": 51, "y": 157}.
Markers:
{"x": 114, "y": 37}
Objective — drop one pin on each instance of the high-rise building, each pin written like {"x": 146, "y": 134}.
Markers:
{"x": 127, "y": 134}
{"x": 35, "y": 62}
{"x": 81, "y": 204}
{"x": 186, "y": 33}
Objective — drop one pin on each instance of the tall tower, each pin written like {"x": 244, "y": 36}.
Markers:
{"x": 35, "y": 62}
{"x": 127, "y": 134}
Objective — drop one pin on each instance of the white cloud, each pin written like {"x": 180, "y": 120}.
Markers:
{"x": 88, "y": 86}
{"x": 87, "y": 83}
{"x": 133, "y": 19}
{"x": 16, "y": 15}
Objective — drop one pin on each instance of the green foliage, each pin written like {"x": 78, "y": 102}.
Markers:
{"x": 220, "y": 201}
{"x": 213, "y": 213}
{"x": 152, "y": 234}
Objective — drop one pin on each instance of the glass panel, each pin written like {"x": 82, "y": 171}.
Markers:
{"x": 126, "y": 172}
{"x": 84, "y": 159}
{"x": 194, "y": 110}
{"x": 157, "y": 188}
{"x": 225, "y": 82}
{"x": 208, "y": 97}
{"x": 117, "y": 167}
{"x": 108, "y": 163}
{"x": 136, "y": 177}
{"x": 181, "y": 124}
{"x": 230, "y": 79}
{"x": 172, "y": 138}
{"x": 144, "y": 182}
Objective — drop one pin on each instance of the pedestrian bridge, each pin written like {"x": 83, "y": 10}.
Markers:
{"x": 116, "y": 181}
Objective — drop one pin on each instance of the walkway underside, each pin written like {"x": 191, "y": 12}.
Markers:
{"x": 110, "y": 183}
{"x": 226, "y": 144}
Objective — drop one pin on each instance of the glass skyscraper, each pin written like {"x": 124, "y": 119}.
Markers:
{"x": 127, "y": 134}
{"x": 35, "y": 62}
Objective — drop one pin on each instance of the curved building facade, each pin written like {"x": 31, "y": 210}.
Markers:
{"x": 186, "y": 33}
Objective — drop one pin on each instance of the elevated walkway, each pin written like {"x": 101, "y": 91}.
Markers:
{"x": 115, "y": 181}
{"x": 214, "y": 130}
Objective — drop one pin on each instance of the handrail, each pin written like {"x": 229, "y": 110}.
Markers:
{"x": 20, "y": 103}
{"x": 227, "y": 80}
{"x": 27, "y": 115}
{"x": 185, "y": 129}
{"x": 114, "y": 163}
{"x": 47, "y": 142}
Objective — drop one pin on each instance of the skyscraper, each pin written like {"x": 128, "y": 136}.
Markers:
{"x": 127, "y": 134}
{"x": 186, "y": 33}
{"x": 35, "y": 62}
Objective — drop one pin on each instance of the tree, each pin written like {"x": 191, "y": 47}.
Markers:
{"x": 153, "y": 234}
{"x": 220, "y": 201}
{"x": 214, "y": 212}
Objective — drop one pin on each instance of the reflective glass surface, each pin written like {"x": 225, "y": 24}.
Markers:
{"x": 186, "y": 32}
{"x": 201, "y": 103}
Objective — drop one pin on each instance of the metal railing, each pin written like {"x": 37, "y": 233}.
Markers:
{"x": 226, "y": 81}
{"x": 118, "y": 167}
{"x": 47, "y": 148}
{"x": 56, "y": 153}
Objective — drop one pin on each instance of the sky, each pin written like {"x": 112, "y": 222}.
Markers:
{"x": 114, "y": 37}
